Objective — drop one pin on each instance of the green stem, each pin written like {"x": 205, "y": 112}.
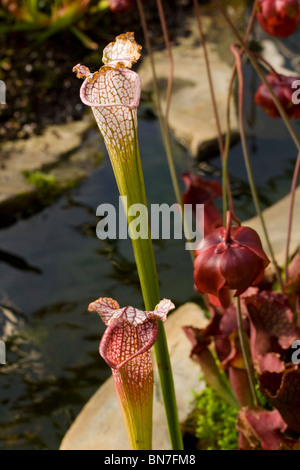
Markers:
{"x": 246, "y": 353}
{"x": 130, "y": 182}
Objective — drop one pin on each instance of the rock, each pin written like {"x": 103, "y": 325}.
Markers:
{"x": 99, "y": 425}
{"x": 191, "y": 116}
{"x": 274, "y": 53}
{"x": 63, "y": 151}
{"x": 276, "y": 220}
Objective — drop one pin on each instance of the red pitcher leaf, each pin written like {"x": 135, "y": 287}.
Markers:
{"x": 201, "y": 338}
{"x": 198, "y": 189}
{"x": 201, "y": 191}
{"x": 283, "y": 392}
{"x": 203, "y": 356}
{"x": 240, "y": 385}
{"x": 106, "y": 308}
{"x": 134, "y": 389}
{"x": 282, "y": 87}
{"x": 235, "y": 357}
{"x": 260, "y": 429}
{"x": 278, "y": 17}
{"x": 109, "y": 310}
{"x": 272, "y": 323}
{"x": 294, "y": 266}
{"x": 162, "y": 309}
{"x": 122, "y": 342}
{"x": 269, "y": 362}
{"x": 125, "y": 346}
{"x": 235, "y": 365}
{"x": 292, "y": 287}
{"x": 200, "y": 341}
{"x": 130, "y": 331}
{"x": 228, "y": 322}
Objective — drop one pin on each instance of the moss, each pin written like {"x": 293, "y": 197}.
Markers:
{"x": 46, "y": 185}
{"x": 214, "y": 422}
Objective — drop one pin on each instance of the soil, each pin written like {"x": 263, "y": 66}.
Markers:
{"x": 40, "y": 86}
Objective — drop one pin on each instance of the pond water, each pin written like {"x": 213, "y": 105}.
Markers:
{"x": 53, "y": 365}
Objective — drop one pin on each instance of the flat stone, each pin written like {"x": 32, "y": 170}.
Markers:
{"x": 276, "y": 221}
{"x": 62, "y": 151}
{"x": 33, "y": 154}
{"x": 99, "y": 425}
{"x": 191, "y": 116}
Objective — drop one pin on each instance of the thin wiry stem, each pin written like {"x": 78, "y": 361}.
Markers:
{"x": 261, "y": 75}
{"x": 291, "y": 210}
{"x": 226, "y": 189}
{"x": 225, "y": 155}
{"x": 209, "y": 77}
{"x": 163, "y": 123}
{"x": 251, "y": 21}
{"x": 163, "y": 118}
{"x": 170, "y": 57}
{"x": 248, "y": 162}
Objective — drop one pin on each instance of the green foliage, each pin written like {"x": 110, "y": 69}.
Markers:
{"x": 44, "y": 18}
{"x": 46, "y": 185}
{"x": 215, "y": 422}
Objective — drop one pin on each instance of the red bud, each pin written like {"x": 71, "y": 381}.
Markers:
{"x": 278, "y": 17}
{"x": 230, "y": 258}
{"x": 282, "y": 87}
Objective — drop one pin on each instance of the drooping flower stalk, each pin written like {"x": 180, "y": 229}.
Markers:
{"x": 114, "y": 93}
{"x": 261, "y": 75}
{"x": 170, "y": 56}
{"x": 248, "y": 163}
{"x": 223, "y": 152}
{"x": 162, "y": 120}
{"x": 225, "y": 178}
{"x": 209, "y": 77}
{"x": 163, "y": 117}
{"x": 125, "y": 346}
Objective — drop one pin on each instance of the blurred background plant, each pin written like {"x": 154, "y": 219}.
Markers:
{"x": 43, "y": 18}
